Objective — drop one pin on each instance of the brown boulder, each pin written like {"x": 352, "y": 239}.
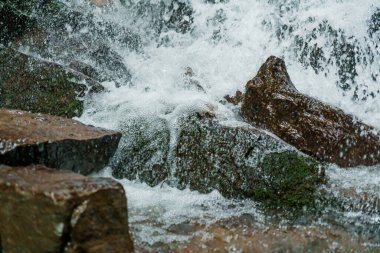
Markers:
{"x": 27, "y": 138}
{"x": 45, "y": 210}
{"x": 272, "y": 102}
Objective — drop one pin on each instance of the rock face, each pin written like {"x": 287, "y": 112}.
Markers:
{"x": 272, "y": 102}
{"x": 45, "y": 210}
{"x": 241, "y": 161}
{"x": 27, "y": 83}
{"x": 27, "y": 138}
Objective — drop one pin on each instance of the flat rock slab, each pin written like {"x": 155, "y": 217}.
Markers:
{"x": 272, "y": 102}
{"x": 46, "y": 210}
{"x": 27, "y": 138}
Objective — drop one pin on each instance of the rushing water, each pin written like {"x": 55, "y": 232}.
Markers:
{"x": 332, "y": 52}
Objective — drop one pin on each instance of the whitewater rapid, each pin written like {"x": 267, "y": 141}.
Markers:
{"x": 226, "y": 44}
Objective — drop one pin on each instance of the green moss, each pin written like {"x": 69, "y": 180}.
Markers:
{"x": 288, "y": 179}
{"x": 37, "y": 86}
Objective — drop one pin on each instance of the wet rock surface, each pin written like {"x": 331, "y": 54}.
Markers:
{"x": 241, "y": 161}
{"x": 54, "y": 29}
{"x": 238, "y": 161}
{"x": 14, "y": 23}
{"x": 30, "y": 84}
{"x": 27, "y": 138}
{"x": 245, "y": 233}
{"x": 245, "y": 236}
{"x": 45, "y": 210}
{"x": 272, "y": 102}
{"x": 143, "y": 151}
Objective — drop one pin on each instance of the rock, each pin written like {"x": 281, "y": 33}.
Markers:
{"x": 27, "y": 138}
{"x": 31, "y": 84}
{"x": 236, "y": 99}
{"x": 59, "y": 211}
{"x": 272, "y": 102}
{"x": 55, "y": 30}
{"x": 242, "y": 161}
{"x": 143, "y": 151}
{"x": 351, "y": 200}
{"x": 241, "y": 235}
{"x": 330, "y": 50}
{"x": 111, "y": 63}
{"x": 13, "y": 24}
{"x": 238, "y": 161}
{"x": 86, "y": 69}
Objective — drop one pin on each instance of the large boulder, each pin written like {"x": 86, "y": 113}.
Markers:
{"x": 242, "y": 161}
{"x": 27, "y": 138}
{"x": 45, "y": 210}
{"x": 272, "y": 102}
{"x": 206, "y": 155}
{"x": 31, "y": 84}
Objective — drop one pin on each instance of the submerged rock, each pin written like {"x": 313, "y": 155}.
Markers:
{"x": 272, "y": 102}
{"x": 45, "y": 210}
{"x": 245, "y": 234}
{"x": 242, "y": 161}
{"x": 31, "y": 84}
{"x": 27, "y": 138}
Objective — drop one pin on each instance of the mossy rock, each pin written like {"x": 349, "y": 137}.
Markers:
{"x": 289, "y": 179}
{"x": 239, "y": 161}
{"x": 243, "y": 162}
{"x": 31, "y": 84}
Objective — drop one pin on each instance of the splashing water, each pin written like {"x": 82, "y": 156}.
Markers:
{"x": 332, "y": 54}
